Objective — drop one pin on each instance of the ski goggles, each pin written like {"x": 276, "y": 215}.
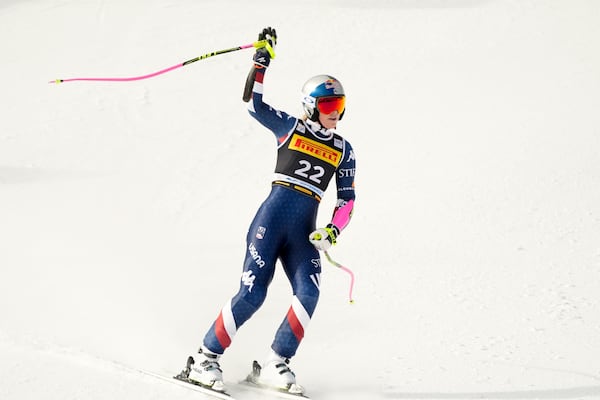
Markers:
{"x": 327, "y": 105}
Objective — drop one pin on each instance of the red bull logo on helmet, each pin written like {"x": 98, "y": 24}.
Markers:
{"x": 334, "y": 86}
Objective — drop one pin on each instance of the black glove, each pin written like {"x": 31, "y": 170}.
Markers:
{"x": 263, "y": 55}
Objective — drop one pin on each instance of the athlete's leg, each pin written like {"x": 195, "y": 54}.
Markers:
{"x": 302, "y": 265}
{"x": 262, "y": 246}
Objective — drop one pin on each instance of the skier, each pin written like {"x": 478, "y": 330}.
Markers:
{"x": 310, "y": 153}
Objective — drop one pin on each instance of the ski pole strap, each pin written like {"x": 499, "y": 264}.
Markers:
{"x": 348, "y": 270}
{"x": 258, "y": 44}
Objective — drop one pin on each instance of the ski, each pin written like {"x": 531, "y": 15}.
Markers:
{"x": 271, "y": 391}
{"x": 252, "y": 381}
{"x": 204, "y": 389}
{"x": 190, "y": 385}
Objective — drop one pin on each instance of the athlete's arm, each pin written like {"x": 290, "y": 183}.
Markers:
{"x": 345, "y": 189}
{"x": 279, "y": 122}
{"x": 323, "y": 238}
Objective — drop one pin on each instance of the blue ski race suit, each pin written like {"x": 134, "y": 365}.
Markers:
{"x": 308, "y": 158}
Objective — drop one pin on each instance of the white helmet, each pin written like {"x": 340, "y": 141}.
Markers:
{"x": 318, "y": 87}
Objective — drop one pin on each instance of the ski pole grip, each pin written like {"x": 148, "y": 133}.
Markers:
{"x": 264, "y": 44}
{"x": 260, "y": 44}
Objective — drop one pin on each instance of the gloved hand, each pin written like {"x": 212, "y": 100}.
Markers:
{"x": 324, "y": 238}
{"x": 263, "y": 56}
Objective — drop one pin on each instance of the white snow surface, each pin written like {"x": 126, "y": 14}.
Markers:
{"x": 476, "y": 234}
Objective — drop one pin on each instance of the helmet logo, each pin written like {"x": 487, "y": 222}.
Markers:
{"x": 309, "y": 100}
{"x": 332, "y": 84}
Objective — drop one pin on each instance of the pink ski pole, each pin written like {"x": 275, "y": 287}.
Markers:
{"x": 258, "y": 44}
{"x": 348, "y": 270}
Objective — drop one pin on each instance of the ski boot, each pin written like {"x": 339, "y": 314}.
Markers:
{"x": 203, "y": 369}
{"x": 275, "y": 375}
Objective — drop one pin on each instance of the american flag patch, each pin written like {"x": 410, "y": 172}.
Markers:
{"x": 260, "y": 232}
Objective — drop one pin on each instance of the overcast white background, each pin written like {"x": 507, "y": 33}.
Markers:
{"x": 476, "y": 234}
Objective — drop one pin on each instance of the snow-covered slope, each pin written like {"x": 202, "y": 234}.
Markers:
{"x": 475, "y": 240}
